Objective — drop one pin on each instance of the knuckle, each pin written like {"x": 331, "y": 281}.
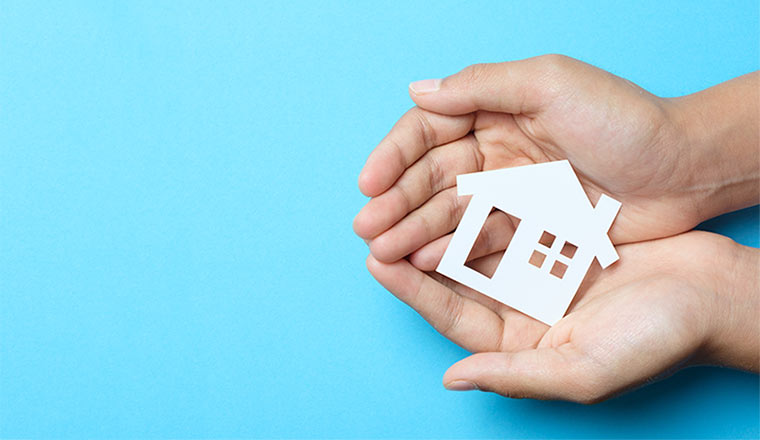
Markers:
{"x": 553, "y": 72}
{"x": 435, "y": 173}
{"x": 476, "y": 157}
{"x": 405, "y": 196}
{"x": 554, "y": 61}
{"x": 452, "y": 309}
{"x": 424, "y": 223}
{"x": 475, "y": 73}
{"x": 455, "y": 209}
{"x": 426, "y": 131}
{"x": 399, "y": 153}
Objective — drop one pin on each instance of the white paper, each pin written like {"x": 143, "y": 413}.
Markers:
{"x": 546, "y": 197}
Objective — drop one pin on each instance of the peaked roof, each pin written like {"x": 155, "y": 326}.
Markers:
{"x": 526, "y": 186}
{"x": 549, "y": 193}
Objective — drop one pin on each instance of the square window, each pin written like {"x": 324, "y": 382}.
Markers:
{"x": 559, "y": 269}
{"x": 568, "y": 249}
{"x": 547, "y": 239}
{"x": 537, "y": 259}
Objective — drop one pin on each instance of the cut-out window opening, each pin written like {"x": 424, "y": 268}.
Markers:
{"x": 568, "y": 249}
{"x": 538, "y": 258}
{"x": 492, "y": 241}
{"x": 547, "y": 239}
{"x": 559, "y": 269}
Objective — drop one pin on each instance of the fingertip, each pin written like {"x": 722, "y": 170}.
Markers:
{"x": 378, "y": 174}
{"x": 377, "y": 216}
{"x": 397, "y": 277}
{"x": 360, "y": 225}
{"x": 511, "y": 87}
{"x": 382, "y": 250}
{"x": 424, "y": 87}
{"x": 459, "y": 370}
{"x": 382, "y": 271}
{"x": 427, "y": 258}
{"x": 424, "y": 260}
{"x": 456, "y": 379}
{"x": 461, "y": 385}
{"x": 420, "y": 261}
{"x": 438, "y": 98}
{"x": 481, "y": 370}
{"x": 419, "y": 99}
{"x": 367, "y": 184}
{"x": 472, "y": 368}
{"x": 449, "y": 378}
{"x": 372, "y": 263}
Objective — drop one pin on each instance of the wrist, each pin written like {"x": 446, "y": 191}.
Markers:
{"x": 719, "y": 148}
{"x": 732, "y": 304}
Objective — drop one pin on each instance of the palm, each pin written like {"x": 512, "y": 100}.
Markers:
{"x": 627, "y": 323}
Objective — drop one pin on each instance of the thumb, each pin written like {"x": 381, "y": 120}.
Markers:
{"x": 543, "y": 373}
{"x": 512, "y": 87}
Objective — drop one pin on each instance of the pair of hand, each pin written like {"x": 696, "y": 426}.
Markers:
{"x": 672, "y": 163}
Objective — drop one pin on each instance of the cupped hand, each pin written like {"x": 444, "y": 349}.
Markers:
{"x": 621, "y": 140}
{"x": 657, "y": 309}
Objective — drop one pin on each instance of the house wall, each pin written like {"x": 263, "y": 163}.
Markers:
{"x": 516, "y": 282}
{"x": 534, "y": 290}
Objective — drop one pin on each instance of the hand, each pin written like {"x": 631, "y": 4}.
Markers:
{"x": 666, "y": 304}
{"x": 623, "y": 141}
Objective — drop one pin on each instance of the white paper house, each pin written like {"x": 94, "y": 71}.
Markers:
{"x": 556, "y": 240}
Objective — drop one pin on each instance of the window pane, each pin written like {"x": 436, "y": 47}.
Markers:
{"x": 559, "y": 269}
{"x": 547, "y": 239}
{"x": 537, "y": 259}
{"x": 568, "y": 249}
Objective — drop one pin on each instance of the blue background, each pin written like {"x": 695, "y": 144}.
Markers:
{"x": 177, "y": 185}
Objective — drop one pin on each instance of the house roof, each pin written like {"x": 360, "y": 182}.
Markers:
{"x": 551, "y": 194}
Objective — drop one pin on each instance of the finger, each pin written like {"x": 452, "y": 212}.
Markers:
{"x": 463, "y": 321}
{"x": 428, "y": 256}
{"x": 414, "y": 134}
{"x": 435, "y": 218}
{"x": 495, "y": 236}
{"x": 513, "y": 87}
{"x": 544, "y": 373}
{"x": 520, "y": 330}
{"x": 435, "y": 171}
{"x": 481, "y": 264}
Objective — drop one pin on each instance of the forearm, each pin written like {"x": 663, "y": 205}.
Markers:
{"x": 721, "y": 157}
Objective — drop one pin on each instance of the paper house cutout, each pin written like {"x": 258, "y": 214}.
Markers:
{"x": 556, "y": 240}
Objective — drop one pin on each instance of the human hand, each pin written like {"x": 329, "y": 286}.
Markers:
{"x": 652, "y": 154}
{"x": 666, "y": 304}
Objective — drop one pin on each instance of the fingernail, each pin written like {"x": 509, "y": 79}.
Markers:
{"x": 461, "y": 385}
{"x": 425, "y": 86}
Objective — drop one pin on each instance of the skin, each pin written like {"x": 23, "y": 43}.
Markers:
{"x": 665, "y": 305}
{"x": 668, "y": 303}
{"x": 655, "y": 155}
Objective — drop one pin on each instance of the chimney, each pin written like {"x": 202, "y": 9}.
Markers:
{"x": 606, "y": 210}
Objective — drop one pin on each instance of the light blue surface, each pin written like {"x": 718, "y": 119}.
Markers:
{"x": 177, "y": 184}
